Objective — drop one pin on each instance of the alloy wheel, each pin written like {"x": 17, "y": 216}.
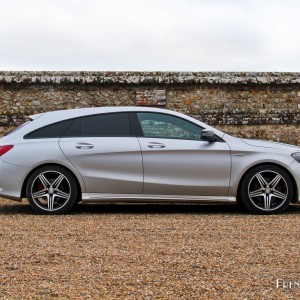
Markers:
{"x": 268, "y": 190}
{"x": 50, "y": 190}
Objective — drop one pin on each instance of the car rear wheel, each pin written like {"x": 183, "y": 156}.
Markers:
{"x": 266, "y": 189}
{"x": 52, "y": 190}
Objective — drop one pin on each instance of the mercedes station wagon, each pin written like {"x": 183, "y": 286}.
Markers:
{"x": 137, "y": 154}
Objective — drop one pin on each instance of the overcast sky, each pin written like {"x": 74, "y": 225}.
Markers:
{"x": 150, "y": 35}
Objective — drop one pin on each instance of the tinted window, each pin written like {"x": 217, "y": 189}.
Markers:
{"x": 51, "y": 131}
{"x": 115, "y": 124}
{"x": 167, "y": 126}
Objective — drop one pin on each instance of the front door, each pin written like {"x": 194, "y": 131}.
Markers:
{"x": 177, "y": 162}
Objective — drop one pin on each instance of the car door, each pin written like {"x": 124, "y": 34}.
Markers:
{"x": 107, "y": 157}
{"x": 177, "y": 162}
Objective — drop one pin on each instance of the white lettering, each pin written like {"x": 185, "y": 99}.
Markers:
{"x": 280, "y": 283}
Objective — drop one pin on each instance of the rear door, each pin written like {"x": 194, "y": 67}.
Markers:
{"x": 107, "y": 157}
{"x": 177, "y": 162}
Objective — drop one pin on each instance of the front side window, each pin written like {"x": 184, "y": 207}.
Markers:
{"x": 156, "y": 125}
{"x": 113, "y": 124}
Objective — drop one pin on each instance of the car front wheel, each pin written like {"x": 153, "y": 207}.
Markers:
{"x": 52, "y": 190}
{"x": 266, "y": 189}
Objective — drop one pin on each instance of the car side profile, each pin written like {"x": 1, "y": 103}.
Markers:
{"x": 139, "y": 154}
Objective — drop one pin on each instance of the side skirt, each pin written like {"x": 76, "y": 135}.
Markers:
{"x": 98, "y": 197}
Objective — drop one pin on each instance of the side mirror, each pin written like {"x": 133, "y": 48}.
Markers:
{"x": 208, "y": 136}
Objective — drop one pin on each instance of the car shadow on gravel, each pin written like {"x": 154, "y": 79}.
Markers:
{"x": 231, "y": 209}
{"x": 121, "y": 208}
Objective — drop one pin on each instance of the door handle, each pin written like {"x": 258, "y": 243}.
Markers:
{"x": 84, "y": 146}
{"x": 156, "y": 145}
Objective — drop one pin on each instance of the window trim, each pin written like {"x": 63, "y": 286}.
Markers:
{"x": 135, "y": 126}
{"x": 135, "y": 129}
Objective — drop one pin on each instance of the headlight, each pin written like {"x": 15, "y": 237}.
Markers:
{"x": 296, "y": 156}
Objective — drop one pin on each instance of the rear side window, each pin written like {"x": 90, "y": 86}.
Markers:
{"x": 55, "y": 130}
{"x": 114, "y": 124}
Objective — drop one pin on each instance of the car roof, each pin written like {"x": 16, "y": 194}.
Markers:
{"x": 77, "y": 112}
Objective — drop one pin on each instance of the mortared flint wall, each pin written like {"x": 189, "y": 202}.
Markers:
{"x": 253, "y": 105}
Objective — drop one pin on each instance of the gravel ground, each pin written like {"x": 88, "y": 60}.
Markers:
{"x": 148, "y": 252}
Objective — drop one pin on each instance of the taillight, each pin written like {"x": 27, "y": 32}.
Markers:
{"x": 4, "y": 149}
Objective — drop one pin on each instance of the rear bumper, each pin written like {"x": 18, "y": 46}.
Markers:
{"x": 11, "y": 180}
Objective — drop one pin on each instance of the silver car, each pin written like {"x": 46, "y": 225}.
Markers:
{"x": 59, "y": 158}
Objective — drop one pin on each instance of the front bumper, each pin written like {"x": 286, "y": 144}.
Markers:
{"x": 294, "y": 169}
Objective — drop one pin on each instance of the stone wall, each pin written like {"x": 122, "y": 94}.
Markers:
{"x": 253, "y": 105}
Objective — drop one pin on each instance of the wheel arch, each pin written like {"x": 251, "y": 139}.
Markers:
{"x": 295, "y": 187}
{"x": 23, "y": 190}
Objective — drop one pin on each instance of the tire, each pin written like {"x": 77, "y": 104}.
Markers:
{"x": 266, "y": 189}
{"x": 52, "y": 190}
